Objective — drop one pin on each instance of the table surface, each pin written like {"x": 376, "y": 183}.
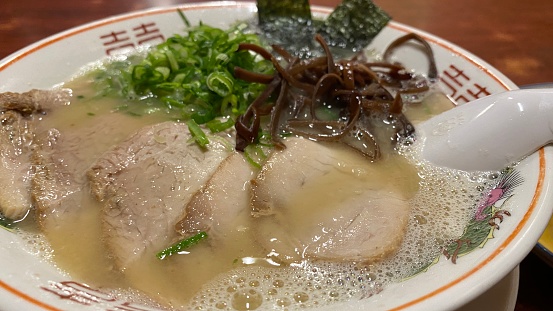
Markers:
{"x": 514, "y": 36}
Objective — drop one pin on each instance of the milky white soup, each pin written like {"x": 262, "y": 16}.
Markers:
{"x": 241, "y": 271}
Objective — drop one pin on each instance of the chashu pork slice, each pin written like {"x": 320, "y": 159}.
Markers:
{"x": 146, "y": 182}
{"x": 61, "y": 157}
{"x": 18, "y": 117}
{"x": 221, "y": 207}
{"x": 326, "y": 201}
{"x": 16, "y": 141}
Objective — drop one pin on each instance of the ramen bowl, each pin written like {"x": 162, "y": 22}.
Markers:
{"x": 519, "y": 207}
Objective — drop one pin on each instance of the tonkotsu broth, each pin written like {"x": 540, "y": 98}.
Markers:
{"x": 237, "y": 274}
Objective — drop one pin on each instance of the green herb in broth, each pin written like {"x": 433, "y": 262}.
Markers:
{"x": 6, "y": 223}
{"x": 198, "y": 134}
{"x": 219, "y": 125}
{"x": 189, "y": 76}
{"x": 256, "y": 154}
{"x": 181, "y": 245}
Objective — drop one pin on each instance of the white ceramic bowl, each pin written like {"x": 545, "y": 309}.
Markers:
{"x": 29, "y": 283}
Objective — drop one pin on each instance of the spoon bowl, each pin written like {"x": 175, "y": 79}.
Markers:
{"x": 489, "y": 133}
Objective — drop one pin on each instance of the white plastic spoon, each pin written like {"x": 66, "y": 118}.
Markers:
{"x": 489, "y": 133}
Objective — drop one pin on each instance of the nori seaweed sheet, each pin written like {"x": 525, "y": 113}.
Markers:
{"x": 268, "y": 10}
{"x": 354, "y": 24}
{"x": 351, "y": 26}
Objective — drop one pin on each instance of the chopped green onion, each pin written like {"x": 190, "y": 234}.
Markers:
{"x": 198, "y": 134}
{"x": 189, "y": 76}
{"x": 220, "y": 83}
{"x": 216, "y": 125}
{"x": 181, "y": 245}
{"x": 164, "y": 71}
{"x": 183, "y": 17}
{"x": 6, "y": 223}
{"x": 172, "y": 60}
{"x": 256, "y": 154}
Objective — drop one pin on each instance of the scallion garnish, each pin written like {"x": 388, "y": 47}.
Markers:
{"x": 216, "y": 125}
{"x": 256, "y": 154}
{"x": 189, "y": 76}
{"x": 181, "y": 245}
{"x": 197, "y": 133}
{"x": 6, "y": 223}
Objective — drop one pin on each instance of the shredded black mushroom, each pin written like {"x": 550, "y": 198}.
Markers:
{"x": 325, "y": 100}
